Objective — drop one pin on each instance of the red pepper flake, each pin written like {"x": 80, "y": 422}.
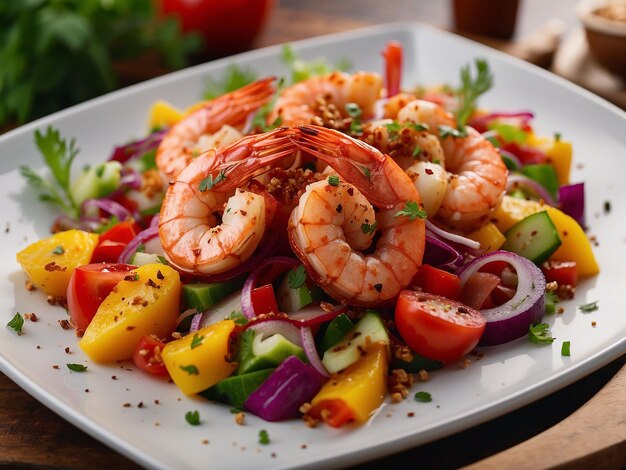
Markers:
{"x": 52, "y": 266}
{"x": 55, "y": 366}
{"x": 130, "y": 328}
{"x": 151, "y": 283}
{"x": 132, "y": 277}
{"x": 428, "y": 171}
{"x": 140, "y": 404}
{"x": 410, "y": 414}
{"x": 86, "y": 390}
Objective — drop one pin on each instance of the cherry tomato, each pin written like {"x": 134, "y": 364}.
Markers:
{"x": 113, "y": 241}
{"x": 561, "y": 272}
{"x": 527, "y": 155}
{"x": 439, "y": 282}
{"x": 264, "y": 300}
{"x": 335, "y": 412}
{"x": 393, "y": 67}
{"x": 436, "y": 327}
{"x": 147, "y": 356}
{"x": 89, "y": 285}
{"x": 476, "y": 292}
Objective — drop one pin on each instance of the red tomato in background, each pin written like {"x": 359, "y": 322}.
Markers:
{"x": 113, "y": 241}
{"x": 147, "y": 356}
{"x": 89, "y": 285}
{"x": 228, "y": 26}
{"x": 436, "y": 327}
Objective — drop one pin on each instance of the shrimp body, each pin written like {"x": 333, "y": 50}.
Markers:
{"x": 212, "y": 125}
{"x": 296, "y": 104}
{"x": 333, "y": 224}
{"x": 192, "y": 237}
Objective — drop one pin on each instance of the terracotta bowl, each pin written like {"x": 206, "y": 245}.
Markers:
{"x": 606, "y": 35}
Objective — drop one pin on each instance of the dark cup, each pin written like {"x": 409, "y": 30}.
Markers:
{"x": 495, "y": 18}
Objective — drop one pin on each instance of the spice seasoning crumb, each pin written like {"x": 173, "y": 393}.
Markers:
{"x": 410, "y": 414}
{"x": 594, "y": 323}
{"x": 423, "y": 375}
{"x": 560, "y": 310}
{"x": 157, "y": 402}
{"x": 273, "y": 455}
{"x": 86, "y": 390}
{"x": 29, "y": 286}
{"x": 205, "y": 441}
{"x": 126, "y": 405}
{"x": 303, "y": 446}
{"x": 66, "y": 325}
{"x": 38, "y": 347}
{"x": 67, "y": 350}
{"x": 31, "y": 316}
{"x": 240, "y": 418}
{"x": 55, "y": 366}
{"x": 140, "y": 404}
{"x": 114, "y": 377}
{"x": 466, "y": 363}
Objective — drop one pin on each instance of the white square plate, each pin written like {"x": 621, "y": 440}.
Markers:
{"x": 509, "y": 376}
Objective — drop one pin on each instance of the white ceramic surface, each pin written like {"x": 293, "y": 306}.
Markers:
{"x": 506, "y": 378}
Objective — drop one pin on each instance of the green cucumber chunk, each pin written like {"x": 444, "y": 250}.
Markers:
{"x": 202, "y": 296}
{"x": 97, "y": 181}
{"x": 292, "y": 300}
{"x": 335, "y": 331}
{"x": 236, "y": 389}
{"x": 256, "y": 353}
{"x": 417, "y": 363}
{"x": 370, "y": 329}
{"x": 534, "y": 237}
{"x": 140, "y": 258}
{"x": 543, "y": 174}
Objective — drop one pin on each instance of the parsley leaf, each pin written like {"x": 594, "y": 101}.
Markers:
{"x": 550, "y": 301}
{"x": 540, "y": 333}
{"x": 58, "y": 250}
{"x": 238, "y": 317}
{"x": 333, "y": 180}
{"x": 76, "y": 367}
{"x": 193, "y": 417}
{"x": 367, "y": 228}
{"x": 234, "y": 78}
{"x": 447, "y": 131}
{"x": 423, "y": 397}
{"x": 207, "y": 183}
{"x": 590, "y": 307}
{"x": 190, "y": 369}
{"x": 412, "y": 210}
{"x": 355, "y": 112}
{"x": 471, "y": 89}
{"x": 394, "y": 129}
{"x": 264, "y": 437}
{"x": 296, "y": 277}
{"x": 196, "y": 340}
{"x": 565, "y": 348}
{"x": 16, "y": 323}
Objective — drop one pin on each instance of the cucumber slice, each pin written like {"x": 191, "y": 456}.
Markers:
{"x": 266, "y": 353}
{"x": 534, "y": 237}
{"x": 202, "y": 296}
{"x": 335, "y": 331}
{"x": 370, "y": 329}
{"x": 543, "y": 174}
{"x": 236, "y": 389}
{"x": 97, "y": 181}
{"x": 140, "y": 258}
{"x": 292, "y": 300}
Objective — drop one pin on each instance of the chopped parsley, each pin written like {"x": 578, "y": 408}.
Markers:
{"x": 355, "y": 112}
{"x": 418, "y": 126}
{"x": 447, "y": 131}
{"x": 539, "y": 333}
{"x": 394, "y": 129}
{"x": 296, "y": 277}
{"x": 76, "y": 367}
{"x": 368, "y": 228}
{"x": 589, "y": 307}
{"x": 238, "y": 317}
{"x": 333, "y": 180}
{"x": 207, "y": 183}
{"x": 412, "y": 210}
{"x": 234, "y": 78}
{"x": 58, "y": 250}
{"x": 193, "y": 417}
{"x": 196, "y": 341}
{"x": 16, "y": 323}
{"x": 423, "y": 397}
{"x": 264, "y": 437}
{"x": 550, "y": 301}
{"x": 565, "y": 348}
{"x": 417, "y": 151}
{"x": 470, "y": 90}
{"x": 190, "y": 369}
{"x": 557, "y": 136}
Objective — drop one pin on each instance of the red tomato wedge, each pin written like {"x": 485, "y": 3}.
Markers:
{"x": 476, "y": 292}
{"x": 264, "y": 300}
{"x": 113, "y": 241}
{"x": 437, "y": 281}
{"x": 436, "y": 327}
{"x": 147, "y": 356}
{"x": 561, "y": 272}
{"x": 89, "y": 285}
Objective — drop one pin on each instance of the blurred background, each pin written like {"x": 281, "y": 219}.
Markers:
{"x": 56, "y": 53}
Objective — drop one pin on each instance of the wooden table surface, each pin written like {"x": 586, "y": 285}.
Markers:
{"x": 33, "y": 436}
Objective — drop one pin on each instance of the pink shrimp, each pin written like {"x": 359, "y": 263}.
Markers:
{"x": 182, "y": 142}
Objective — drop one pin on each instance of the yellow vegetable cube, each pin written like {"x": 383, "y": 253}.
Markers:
{"x": 200, "y": 360}
{"x": 146, "y": 303}
{"x": 559, "y": 153}
{"x": 489, "y": 237}
{"x": 50, "y": 262}
{"x": 163, "y": 114}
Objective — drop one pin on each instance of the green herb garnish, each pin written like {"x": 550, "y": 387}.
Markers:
{"x": 550, "y": 301}
{"x": 447, "y": 131}
{"x": 58, "y": 250}
{"x": 190, "y": 369}
{"x": 333, "y": 180}
{"x": 565, "y": 348}
{"x": 302, "y": 70}
{"x": 355, "y": 112}
{"x": 368, "y": 228}
{"x": 76, "y": 367}
{"x": 296, "y": 277}
{"x": 234, "y": 78}
{"x": 196, "y": 340}
{"x": 590, "y": 307}
{"x": 193, "y": 417}
{"x": 206, "y": 184}
{"x": 238, "y": 317}
{"x": 540, "y": 333}
{"x": 417, "y": 151}
{"x": 412, "y": 210}
{"x": 264, "y": 437}
{"x": 471, "y": 89}
{"x": 16, "y": 323}
{"x": 423, "y": 397}
{"x": 366, "y": 171}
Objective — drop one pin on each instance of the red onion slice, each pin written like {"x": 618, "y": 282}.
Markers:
{"x": 314, "y": 314}
{"x": 511, "y": 320}
{"x": 186, "y": 314}
{"x": 441, "y": 255}
{"x": 308, "y": 344}
{"x": 110, "y": 207}
{"x": 142, "y": 237}
{"x": 273, "y": 326}
{"x": 453, "y": 237}
{"x": 572, "y": 201}
{"x": 517, "y": 180}
{"x": 511, "y": 156}
{"x": 481, "y": 123}
{"x": 123, "y": 153}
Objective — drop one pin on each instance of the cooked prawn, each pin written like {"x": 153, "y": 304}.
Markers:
{"x": 476, "y": 174}
{"x": 193, "y": 239}
{"x": 212, "y": 125}
{"x": 333, "y": 224}
{"x": 297, "y": 103}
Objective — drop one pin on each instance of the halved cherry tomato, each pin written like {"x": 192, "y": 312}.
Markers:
{"x": 113, "y": 241}
{"x": 89, "y": 285}
{"x": 436, "y": 327}
{"x": 527, "y": 155}
{"x": 147, "y": 356}
{"x": 476, "y": 292}
{"x": 336, "y": 413}
{"x": 107, "y": 251}
{"x": 264, "y": 300}
{"x": 393, "y": 67}
{"x": 495, "y": 267}
{"x": 437, "y": 281}
{"x": 561, "y": 272}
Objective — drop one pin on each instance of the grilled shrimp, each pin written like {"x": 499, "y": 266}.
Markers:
{"x": 333, "y": 224}
{"x": 297, "y": 103}
{"x": 476, "y": 176}
{"x": 211, "y": 126}
{"x": 193, "y": 238}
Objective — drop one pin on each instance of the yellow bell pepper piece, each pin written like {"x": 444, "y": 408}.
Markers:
{"x": 575, "y": 244}
{"x": 559, "y": 153}
{"x": 199, "y": 360}
{"x": 145, "y": 304}
{"x": 49, "y": 263}
{"x": 489, "y": 237}
{"x": 360, "y": 389}
{"x": 163, "y": 114}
